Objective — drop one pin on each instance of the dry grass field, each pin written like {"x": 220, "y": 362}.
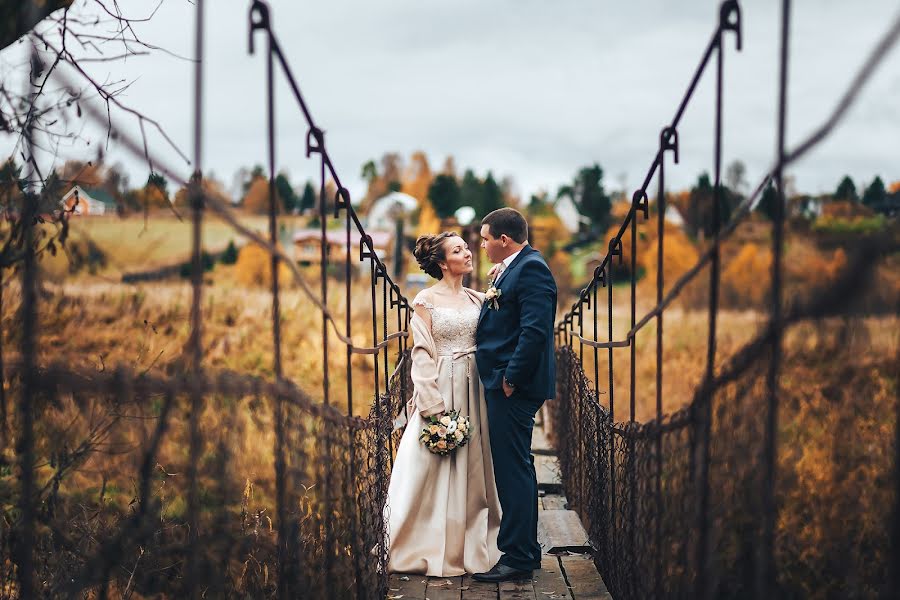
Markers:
{"x": 839, "y": 387}
{"x": 131, "y": 244}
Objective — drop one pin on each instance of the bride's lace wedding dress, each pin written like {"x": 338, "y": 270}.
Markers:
{"x": 444, "y": 514}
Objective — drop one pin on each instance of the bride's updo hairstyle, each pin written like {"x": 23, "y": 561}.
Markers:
{"x": 430, "y": 252}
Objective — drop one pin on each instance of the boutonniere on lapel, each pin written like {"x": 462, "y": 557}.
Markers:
{"x": 492, "y": 296}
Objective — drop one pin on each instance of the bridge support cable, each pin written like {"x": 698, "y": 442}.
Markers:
{"x": 663, "y": 473}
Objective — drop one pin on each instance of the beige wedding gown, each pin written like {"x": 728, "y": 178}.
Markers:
{"x": 443, "y": 512}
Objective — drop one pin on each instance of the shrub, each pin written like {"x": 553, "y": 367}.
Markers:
{"x": 745, "y": 281}
{"x": 206, "y": 259}
{"x": 254, "y": 267}
{"x": 230, "y": 256}
{"x": 858, "y": 224}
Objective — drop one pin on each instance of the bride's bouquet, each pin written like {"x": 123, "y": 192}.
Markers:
{"x": 445, "y": 432}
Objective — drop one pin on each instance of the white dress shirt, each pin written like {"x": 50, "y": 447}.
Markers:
{"x": 506, "y": 262}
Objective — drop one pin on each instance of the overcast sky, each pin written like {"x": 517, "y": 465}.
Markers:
{"x": 526, "y": 88}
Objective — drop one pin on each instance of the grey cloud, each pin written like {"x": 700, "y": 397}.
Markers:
{"x": 527, "y": 88}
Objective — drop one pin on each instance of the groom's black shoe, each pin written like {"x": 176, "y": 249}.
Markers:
{"x": 501, "y": 572}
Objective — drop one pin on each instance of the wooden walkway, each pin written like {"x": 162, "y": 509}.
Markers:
{"x": 567, "y": 570}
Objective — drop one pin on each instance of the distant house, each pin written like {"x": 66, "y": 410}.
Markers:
{"x": 88, "y": 202}
{"x": 381, "y": 215}
{"x": 673, "y": 216}
{"x": 568, "y": 213}
{"x": 308, "y": 246}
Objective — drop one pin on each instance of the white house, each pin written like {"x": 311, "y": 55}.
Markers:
{"x": 88, "y": 203}
{"x": 381, "y": 217}
{"x": 673, "y": 216}
{"x": 568, "y": 213}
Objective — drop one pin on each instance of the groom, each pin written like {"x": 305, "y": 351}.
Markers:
{"x": 517, "y": 365}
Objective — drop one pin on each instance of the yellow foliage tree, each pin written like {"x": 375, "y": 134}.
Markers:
{"x": 746, "y": 278}
{"x": 547, "y": 232}
{"x": 429, "y": 222}
{"x": 560, "y": 264}
{"x": 211, "y": 187}
{"x": 257, "y": 198}
{"x": 417, "y": 177}
{"x": 254, "y": 268}
{"x": 679, "y": 256}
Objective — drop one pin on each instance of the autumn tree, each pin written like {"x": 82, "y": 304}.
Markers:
{"x": 369, "y": 171}
{"x": 417, "y": 177}
{"x": 389, "y": 178}
{"x": 449, "y": 167}
{"x": 210, "y": 186}
{"x": 154, "y": 194}
{"x": 736, "y": 176}
{"x": 257, "y": 198}
{"x": 508, "y": 191}
{"x": 11, "y": 186}
{"x": 699, "y": 218}
{"x": 539, "y": 204}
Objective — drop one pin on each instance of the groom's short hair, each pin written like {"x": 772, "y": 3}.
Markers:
{"x": 507, "y": 221}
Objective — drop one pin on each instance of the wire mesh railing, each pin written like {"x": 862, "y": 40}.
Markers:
{"x": 684, "y": 505}
{"x": 687, "y": 503}
{"x": 303, "y": 517}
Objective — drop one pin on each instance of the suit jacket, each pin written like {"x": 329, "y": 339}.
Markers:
{"x": 516, "y": 340}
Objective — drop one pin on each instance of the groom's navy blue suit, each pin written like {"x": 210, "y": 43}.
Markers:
{"x": 516, "y": 341}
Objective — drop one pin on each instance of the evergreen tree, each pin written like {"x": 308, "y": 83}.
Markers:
{"x": 492, "y": 195}
{"x": 444, "y": 195}
{"x": 308, "y": 198}
{"x": 846, "y": 190}
{"x": 768, "y": 204}
{"x": 590, "y": 197}
{"x": 159, "y": 182}
{"x": 369, "y": 171}
{"x": 286, "y": 192}
{"x": 875, "y": 194}
{"x": 230, "y": 256}
{"x": 471, "y": 192}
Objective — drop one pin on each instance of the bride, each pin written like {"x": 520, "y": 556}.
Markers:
{"x": 444, "y": 514}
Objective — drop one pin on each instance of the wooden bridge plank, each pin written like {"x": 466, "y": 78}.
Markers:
{"x": 477, "y": 590}
{"x": 549, "y": 581}
{"x": 444, "y": 588}
{"x": 517, "y": 590}
{"x": 561, "y": 530}
{"x": 554, "y": 502}
{"x": 548, "y": 473}
{"x": 410, "y": 587}
{"x": 539, "y": 442}
{"x": 586, "y": 582}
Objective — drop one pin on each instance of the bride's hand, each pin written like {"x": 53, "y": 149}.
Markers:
{"x": 493, "y": 272}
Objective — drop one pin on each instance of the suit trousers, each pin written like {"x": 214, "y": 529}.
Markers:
{"x": 511, "y": 422}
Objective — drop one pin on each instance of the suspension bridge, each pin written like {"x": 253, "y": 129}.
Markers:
{"x": 683, "y": 505}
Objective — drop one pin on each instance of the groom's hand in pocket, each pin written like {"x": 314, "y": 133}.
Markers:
{"x": 508, "y": 388}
